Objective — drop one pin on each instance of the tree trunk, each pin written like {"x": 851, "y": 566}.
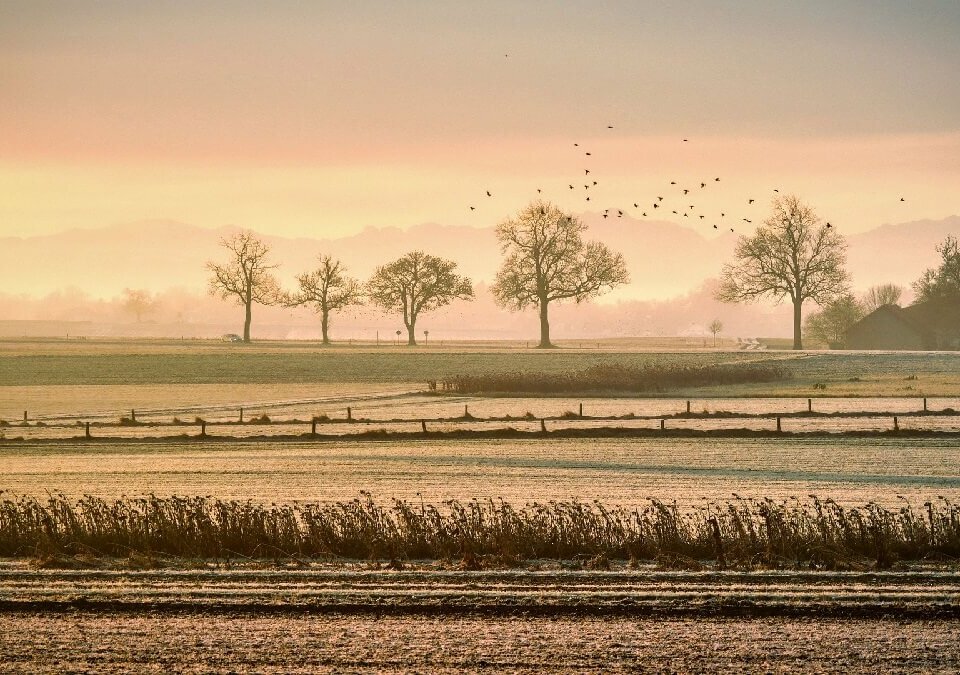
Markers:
{"x": 797, "y": 342}
{"x": 411, "y": 334}
{"x": 324, "y": 325}
{"x": 544, "y": 326}
{"x": 247, "y": 319}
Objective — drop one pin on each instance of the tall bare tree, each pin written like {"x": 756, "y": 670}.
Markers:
{"x": 880, "y": 296}
{"x": 417, "y": 282}
{"x": 247, "y": 276}
{"x": 792, "y": 255}
{"x": 327, "y": 288}
{"x": 548, "y": 261}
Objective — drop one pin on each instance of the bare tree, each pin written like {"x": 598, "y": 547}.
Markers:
{"x": 138, "y": 302}
{"x": 880, "y": 296}
{"x": 715, "y": 327}
{"x": 547, "y": 261}
{"x": 327, "y": 288}
{"x": 792, "y": 255}
{"x": 942, "y": 281}
{"x": 246, "y": 277}
{"x": 831, "y": 323}
{"x": 417, "y": 282}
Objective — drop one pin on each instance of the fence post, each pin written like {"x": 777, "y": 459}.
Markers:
{"x": 688, "y": 407}
{"x": 581, "y": 410}
{"x": 133, "y": 415}
{"x": 86, "y": 431}
{"x": 924, "y": 404}
{"x": 896, "y": 425}
{"x": 543, "y": 426}
{"x": 313, "y": 426}
{"x": 778, "y": 425}
{"x": 349, "y": 414}
{"x": 24, "y": 416}
{"x": 203, "y": 428}
{"x": 466, "y": 413}
{"x": 423, "y": 425}
{"x": 241, "y": 415}
{"x": 809, "y": 405}
{"x": 663, "y": 424}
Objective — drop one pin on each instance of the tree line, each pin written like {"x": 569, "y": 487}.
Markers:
{"x": 792, "y": 256}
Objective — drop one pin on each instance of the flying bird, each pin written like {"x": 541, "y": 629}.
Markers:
{"x": 703, "y": 185}
{"x": 609, "y": 126}
{"x": 702, "y": 217}
{"x": 685, "y": 191}
{"x": 776, "y": 190}
{"x": 594, "y": 182}
{"x": 674, "y": 211}
{"x": 715, "y": 227}
{"x": 473, "y": 208}
{"x": 656, "y": 206}
{"x": 902, "y": 199}
{"x": 659, "y": 199}
{"x": 717, "y": 179}
{"x": 571, "y": 187}
{"x": 538, "y": 190}
{"x": 488, "y": 193}
{"x": 829, "y": 225}
{"x": 673, "y": 182}
{"x": 605, "y": 215}
{"x": 749, "y": 201}
{"x": 746, "y": 220}
{"x": 576, "y": 145}
{"x": 684, "y": 140}
{"x": 644, "y": 214}
{"x": 619, "y": 213}
{"x": 636, "y": 206}
{"x": 587, "y": 154}
{"x": 586, "y": 172}
{"x": 686, "y": 215}
{"x": 722, "y": 215}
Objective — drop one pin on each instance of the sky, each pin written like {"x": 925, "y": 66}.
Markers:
{"x": 323, "y": 118}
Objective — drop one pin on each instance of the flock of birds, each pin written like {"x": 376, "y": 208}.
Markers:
{"x": 674, "y": 192}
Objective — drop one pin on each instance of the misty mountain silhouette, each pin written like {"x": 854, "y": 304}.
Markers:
{"x": 664, "y": 259}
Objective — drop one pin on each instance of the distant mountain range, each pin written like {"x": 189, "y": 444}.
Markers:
{"x": 665, "y": 259}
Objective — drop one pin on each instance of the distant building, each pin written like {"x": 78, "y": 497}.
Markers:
{"x": 932, "y": 325}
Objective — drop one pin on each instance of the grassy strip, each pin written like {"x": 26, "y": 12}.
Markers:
{"x": 615, "y": 378}
{"x": 741, "y": 533}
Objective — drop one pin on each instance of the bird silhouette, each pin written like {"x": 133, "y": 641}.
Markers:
{"x": 659, "y": 199}
{"x": 715, "y": 227}
{"x": 586, "y": 172}
{"x": 702, "y": 217}
{"x": 684, "y": 140}
{"x": 776, "y": 190}
{"x": 488, "y": 193}
{"x": 656, "y": 206}
{"x": 644, "y": 214}
{"x": 747, "y": 220}
{"x": 619, "y": 213}
{"x": 609, "y": 126}
{"x": 749, "y": 201}
{"x": 636, "y": 206}
{"x": 829, "y": 225}
{"x": 588, "y": 199}
{"x": 538, "y": 190}
{"x": 605, "y": 215}
{"x": 703, "y": 185}
{"x": 686, "y": 191}
{"x": 587, "y": 154}
{"x": 673, "y": 182}
{"x": 686, "y": 215}
{"x": 691, "y": 206}
{"x": 717, "y": 179}
{"x": 473, "y": 208}
{"x": 674, "y": 211}
{"x": 722, "y": 214}
{"x": 576, "y": 145}
{"x": 571, "y": 187}
{"x": 594, "y": 182}
{"x": 731, "y": 229}
{"x": 902, "y": 199}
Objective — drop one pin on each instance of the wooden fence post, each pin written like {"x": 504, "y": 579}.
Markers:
{"x": 313, "y": 426}
{"x": 896, "y": 424}
{"x": 86, "y": 431}
{"x": 924, "y": 404}
{"x": 581, "y": 410}
{"x": 688, "y": 407}
{"x": 349, "y": 414}
{"x": 241, "y": 415}
{"x": 203, "y": 428}
{"x": 543, "y": 426}
{"x": 663, "y": 424}
{"x": 809, "y": 405}
{"x": 778, "y": 425}
{"x": 24, "y": 416}
{"x": 133, "y": 415}
{"x": 423, "y": 425}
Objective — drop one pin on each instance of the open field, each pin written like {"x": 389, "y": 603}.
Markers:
{"x": 62, "y": 363}
{"x": 852, "y": 471}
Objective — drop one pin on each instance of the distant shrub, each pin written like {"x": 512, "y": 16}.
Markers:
{"x": 616, "y": 378}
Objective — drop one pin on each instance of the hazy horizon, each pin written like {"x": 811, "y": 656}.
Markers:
{"x": 323, "y": 120}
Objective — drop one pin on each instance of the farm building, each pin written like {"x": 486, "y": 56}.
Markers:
{"x": 932, "y": 325}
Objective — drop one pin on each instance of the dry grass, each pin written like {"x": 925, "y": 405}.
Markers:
{"x": 740, "y": 533}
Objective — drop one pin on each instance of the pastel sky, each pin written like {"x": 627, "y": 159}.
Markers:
{"x": 321, "y": 118}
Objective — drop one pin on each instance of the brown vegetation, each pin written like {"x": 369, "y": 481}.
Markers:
{"x": 740, "y": 533}
{"x": 617, "y": 378}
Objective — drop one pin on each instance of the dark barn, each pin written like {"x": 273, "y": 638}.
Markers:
{"x": 932, "y": 325}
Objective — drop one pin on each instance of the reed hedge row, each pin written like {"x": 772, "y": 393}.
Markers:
{"x": 742, "y": 532}
{"x": 615, "y": 378}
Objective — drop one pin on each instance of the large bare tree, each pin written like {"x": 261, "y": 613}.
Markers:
{"x": 792, "y": 255}
{"x": 327, "y": 288}
{"x": 247, "y": 276}
{"x": 417, "y": 282}
{"x": 548, "y": 261}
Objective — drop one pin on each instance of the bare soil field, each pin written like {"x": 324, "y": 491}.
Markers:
{"x": 197, "y": 642}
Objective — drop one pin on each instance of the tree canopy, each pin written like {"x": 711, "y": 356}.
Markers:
{"x": 415, "y": 283}
{"x": 831, "y": 323}
{"x": 791, "y": 255}
{"x": 942, "y": 281}
{"x": 547, "y": 261}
